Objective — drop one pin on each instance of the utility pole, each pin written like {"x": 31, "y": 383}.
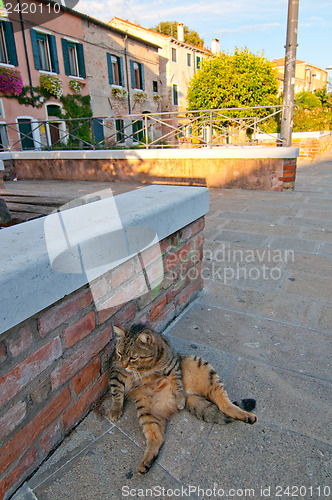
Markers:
{"x": 289, "y": 76}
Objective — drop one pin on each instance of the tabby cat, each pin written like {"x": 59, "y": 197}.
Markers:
{"x": 161, "y": 382}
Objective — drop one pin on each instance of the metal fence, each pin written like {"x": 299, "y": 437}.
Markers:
{"x": 188, "y": 129}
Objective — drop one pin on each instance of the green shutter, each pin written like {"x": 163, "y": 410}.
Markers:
{"x": 10, "y": 43}
{"x": 65, "y": 55}
{"x": 80, "y": 58}
{"x": 109, "y": 66}
{"x": 141, "y": 70}
{"x": 54, "y": 54}
{"x": 35, "y": 49}
{"x": 198, "y": 62}
{"x": 132, "y": 74}
{"x": 121, "y": 71}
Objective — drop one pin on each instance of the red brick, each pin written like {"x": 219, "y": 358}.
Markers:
{"x": 189, "y": 293}
{"x": 62, "y": 312}
{"x": 163, "y": 320}
{"x": 165, "y": 246}
{"x": 28, "y": 369}
{"x": 177, "y": 288}
{"x": 26, "y": 436}
{"x": 122, "y": 273}
{"x": 79, "y": 359}
{"x": 158, "y": 309}
{"x": 19, "y": 472}
{"x": 78, "y": 409}
{"x": 41, "y": 393}
{"x": 173, "y": 258}
{"x": 3, "y": 352}
{"x": 99, "y": 288}
{"x": 105, "y": 312}
{"x": 199, "y": 241}
{"x": 192, "y": 229}
{"x": 144, "y": 319}
{"x": 80, "y": 329}
{"x": 51, "y": 438}
{"x": 131, "y": 290}
{"x": 125, "y": 315}
{"x": 22, "y": 340}
{"x": 12, "y": 418}
{"x": 86, "y": 376}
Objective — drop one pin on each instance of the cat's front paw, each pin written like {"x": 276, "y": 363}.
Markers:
{"x": 180, "y": 402}
{"x": 114, "y": 414}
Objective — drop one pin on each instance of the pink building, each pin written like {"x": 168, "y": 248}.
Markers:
{"x": 57, "y": 52}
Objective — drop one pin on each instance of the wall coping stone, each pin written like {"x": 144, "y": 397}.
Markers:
{"x": 29, "y": 284}
{"x": 144, "y": 154}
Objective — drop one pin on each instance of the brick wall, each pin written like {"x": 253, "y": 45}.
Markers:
{"x": 310, "y": 148}
{"x": 53, "y": 366}
{"x": 211, "y": 171}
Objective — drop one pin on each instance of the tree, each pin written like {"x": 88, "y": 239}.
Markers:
{"x": 170, "y": 28}
{"x": 234, "y": 80}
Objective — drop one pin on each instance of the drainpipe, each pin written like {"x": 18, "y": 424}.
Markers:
{"x": 127, "y": 76}
{"x": 26, "y": 51}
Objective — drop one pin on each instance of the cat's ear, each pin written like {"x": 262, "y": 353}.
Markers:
{"x": 118, "y": 331}
{"x": 146, "y": 338}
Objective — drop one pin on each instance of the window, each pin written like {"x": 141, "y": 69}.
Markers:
{"x": 174, "y": 58}
{"x": 115, "y": 70}
{"x": 198, "y": 62}
{"x": 155, "y": 86}
{"x": 137, "y": 75}
{"x": 8, "y": 54}
{"x": 138, "y": 131}
{"x": 175, "y": 95}
{"x": 73, "y": 58}
{"x": 119, "y": 125}
{"x": 44, "y": 51}
{"x": 188, "y": 59}
{"x": 3, "y": 137}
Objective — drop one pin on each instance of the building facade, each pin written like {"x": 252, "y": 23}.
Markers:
{"x": 51, "y": 64}
{"x": 178, "y": 62}
{"x": 308, "y": 77}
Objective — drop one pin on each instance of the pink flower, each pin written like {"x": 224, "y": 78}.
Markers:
{"x": 10, "y": 81}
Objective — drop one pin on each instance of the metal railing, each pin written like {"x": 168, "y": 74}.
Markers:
{"x": 187, "y": 129}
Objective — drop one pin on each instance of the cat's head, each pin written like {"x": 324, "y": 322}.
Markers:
{"x": 137, "y": 347}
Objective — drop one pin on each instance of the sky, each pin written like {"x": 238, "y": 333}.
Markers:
{"x": 259, "y": 25}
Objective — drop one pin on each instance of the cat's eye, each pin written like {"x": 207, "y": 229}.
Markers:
{"x": 132, "y": 358}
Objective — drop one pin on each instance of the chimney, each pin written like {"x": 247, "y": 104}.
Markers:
{"x": 215, "y": 49}
{"x": 180, "y": 32}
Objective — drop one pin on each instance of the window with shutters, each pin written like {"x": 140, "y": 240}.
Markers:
{"x": 115, "y": 70}
{"x": 8, "y": 54}
{"x": 119, "y": 126}
{"x": 137, "y": 75}
{"x": 44, "y": 51}
{"x": 73, "y": 58}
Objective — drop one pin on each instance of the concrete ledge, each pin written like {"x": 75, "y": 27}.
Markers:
{"x": 258, "y": 152}
{"x": 28, "y": 281}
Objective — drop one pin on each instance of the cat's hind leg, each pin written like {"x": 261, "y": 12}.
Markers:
{"x": 199, "y": 378}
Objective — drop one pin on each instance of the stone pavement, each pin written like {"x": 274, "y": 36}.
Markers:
{"x": 264, "y": 321}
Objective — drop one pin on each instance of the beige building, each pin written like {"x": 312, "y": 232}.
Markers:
{"x": 308, "y": 78}
{"x": 123, "y": 75}
{"x": 178, "y": 62}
